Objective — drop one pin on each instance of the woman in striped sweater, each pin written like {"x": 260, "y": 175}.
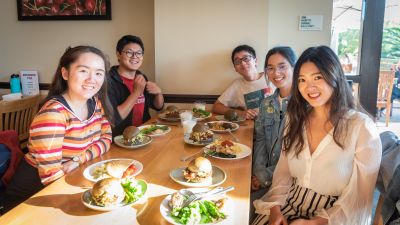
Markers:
{"x": 71, "y": 127}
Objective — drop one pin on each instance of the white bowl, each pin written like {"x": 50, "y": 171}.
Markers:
{"x": 12, "y": 96}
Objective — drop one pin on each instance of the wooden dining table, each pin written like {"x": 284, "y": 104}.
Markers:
{"x": 60, "y": 202}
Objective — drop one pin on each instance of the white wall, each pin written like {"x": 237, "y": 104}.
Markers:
{"x": 38, "y": 45}
{"x": 283, "y": 23}
{"x": 194, "y": 39}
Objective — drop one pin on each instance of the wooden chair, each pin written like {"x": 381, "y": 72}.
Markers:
{"x": 378, "y": 216}
{"x": 385, "y": 88}
{"x": 18, "y": 115}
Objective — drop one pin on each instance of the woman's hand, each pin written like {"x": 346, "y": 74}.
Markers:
{"x": 301, "y": 222}
{"x": 313, "y": 221}
{"x": 251, "y": 114}
{"x": 255, "y": 183}
{"x": 69, "y": 166}
{"x": 276, "y": 217}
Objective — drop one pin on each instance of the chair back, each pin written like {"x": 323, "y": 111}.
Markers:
{"x": 18, "y": 115}
{"x": 385, "y": 86}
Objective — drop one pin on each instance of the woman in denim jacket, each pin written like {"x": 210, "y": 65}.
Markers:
{"x": 279, "y": 63}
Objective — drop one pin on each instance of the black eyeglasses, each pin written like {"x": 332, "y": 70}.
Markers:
{"x": 246, "y": 59}
{"x": 132, "y": 54}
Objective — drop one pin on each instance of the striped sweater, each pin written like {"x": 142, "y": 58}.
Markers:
{"x": 57, "y": 135}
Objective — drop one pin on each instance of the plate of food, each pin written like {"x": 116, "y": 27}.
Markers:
{"x": 112, "y": 193}
{"x": 117, "y": 168}
{"x": 226, "y": 149}
{"x": 222, "y": 126}
{"x": 171, "y": 114}
{"x": 154, "y": 130}
{"x": 205, "y": 211}
{"x": 198, "y": 173}
{"x": 132, "y": 138}
{"x": 231, "y": 116}
{"x": 200, "y": 114}
{"x": 200, "y": 135}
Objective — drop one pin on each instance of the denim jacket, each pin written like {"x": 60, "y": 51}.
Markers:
{"x": 389, "y": 178}
{"x": 268, "y": 137}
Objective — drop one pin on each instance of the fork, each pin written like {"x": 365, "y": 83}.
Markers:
{"x": 185, "y": 158}
{"x": 201, "y": 195}
{"x": 158, "y": 122}
{"x": 236, "y": 139}
{"x": 196, "y": 196}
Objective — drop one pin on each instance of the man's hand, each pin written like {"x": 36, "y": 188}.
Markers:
{"x": 153, "y": 88}
{"x": 251, "y": 114}
{"x": 139, "y": 85}
{"x": 255, "y": 183}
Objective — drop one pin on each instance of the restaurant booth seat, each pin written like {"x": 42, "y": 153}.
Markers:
{"x": 18, "y": 115}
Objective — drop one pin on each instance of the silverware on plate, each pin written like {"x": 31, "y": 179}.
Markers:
{"x": 186, "y": 158}
{"x": 200, "y": 195}
{"x": 236, "y": 139}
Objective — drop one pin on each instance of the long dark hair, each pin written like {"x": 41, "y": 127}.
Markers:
{"x": 59, "y": 85}
{"x": 341, "y": 100}
{"x": 285, "y": 51}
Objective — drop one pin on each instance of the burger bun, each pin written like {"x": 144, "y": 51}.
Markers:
{"x": 200, "y": 164}
{"x": 108, "y": 192}
{"x": 130, "y": 132}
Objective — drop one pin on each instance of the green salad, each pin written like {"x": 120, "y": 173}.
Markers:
{"x": 153, "y": 128}
{"x": 134, "y": 190}
{"x": 200, "y": 113}
{"x": 198, "y": 212}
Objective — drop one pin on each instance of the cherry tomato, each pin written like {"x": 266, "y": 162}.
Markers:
{"x": 129, "y": 171}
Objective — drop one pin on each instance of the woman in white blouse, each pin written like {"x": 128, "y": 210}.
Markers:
{"x": 331, "y": 152}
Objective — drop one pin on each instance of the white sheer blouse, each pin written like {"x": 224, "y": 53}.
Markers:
{"x": 349, "y": 173}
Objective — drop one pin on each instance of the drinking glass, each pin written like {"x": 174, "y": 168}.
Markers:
{"x": 200, "y": 105}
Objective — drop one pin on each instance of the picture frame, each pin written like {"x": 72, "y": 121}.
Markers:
{"x": 64, "y": 10}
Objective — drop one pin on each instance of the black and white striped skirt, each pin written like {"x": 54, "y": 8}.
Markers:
{"x": 302, "y": 203}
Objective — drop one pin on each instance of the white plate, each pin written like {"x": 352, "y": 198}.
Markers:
{"x": 88, "y": 202}
{"x": 191, "y": 142}
{"x": 246, "y": 151}
{"x": 155, "y": 134}
{"x": 88, "y": 173}
{"x": 222, "y": 118}
{"x": 165, "y": 210}
{"x": 218, "y": 177}
{"x": 164, "y": 117}
{"x": 235, "y": 126}
{"x": 119, "y": 140}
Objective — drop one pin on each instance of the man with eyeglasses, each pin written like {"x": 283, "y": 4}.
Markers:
{"x": 245, "y": 93}
{"x": 130, "y": 92}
